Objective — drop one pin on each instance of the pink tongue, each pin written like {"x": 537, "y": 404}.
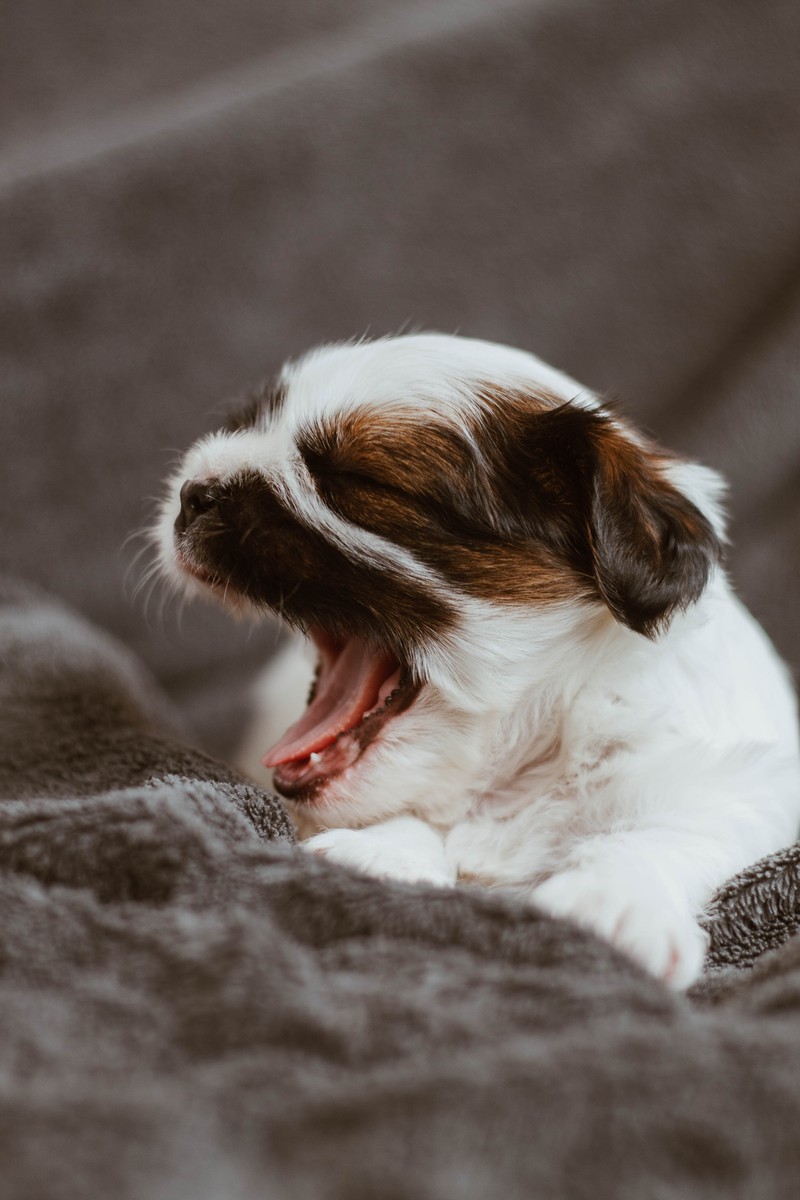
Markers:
{"x": 349, "y": 686}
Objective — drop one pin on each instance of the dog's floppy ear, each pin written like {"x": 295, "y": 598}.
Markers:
{"x": 647, "y": 547}
{"x": 652, "y": 549}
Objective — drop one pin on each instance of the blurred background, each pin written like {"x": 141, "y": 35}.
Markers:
{"x": 191, "y": 192}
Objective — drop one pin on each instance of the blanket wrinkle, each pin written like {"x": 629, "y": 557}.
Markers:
{"x": 81, "y": 717}
{"x": 763, "y": 900}
{"x": 136, "y": 844}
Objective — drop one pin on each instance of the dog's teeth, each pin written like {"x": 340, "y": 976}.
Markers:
{"x": 314, "y": 756}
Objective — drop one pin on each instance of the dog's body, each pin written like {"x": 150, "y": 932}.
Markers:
{"x": 533, "y": 672}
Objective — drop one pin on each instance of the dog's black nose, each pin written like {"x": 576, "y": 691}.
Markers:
{"x": 196, "y": 497}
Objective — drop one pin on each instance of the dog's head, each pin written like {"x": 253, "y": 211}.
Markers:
{"x": 454, "y": 524}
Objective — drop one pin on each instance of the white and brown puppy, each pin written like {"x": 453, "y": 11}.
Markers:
{"x": 531, "y": 670}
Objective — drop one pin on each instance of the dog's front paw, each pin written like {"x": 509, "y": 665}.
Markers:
{"x": 377, "y": 855}
{"x": 639, "y": 917}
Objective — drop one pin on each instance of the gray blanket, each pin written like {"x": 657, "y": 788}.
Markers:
{"x": 192, "y": 1007}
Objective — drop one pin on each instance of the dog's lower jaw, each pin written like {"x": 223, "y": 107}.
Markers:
{"x": 396, "y": 776}
{"x": 435, "y": 762}
{"x": 430, "y": 758}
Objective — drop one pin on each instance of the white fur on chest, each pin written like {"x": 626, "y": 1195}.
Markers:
{"x": 688, "y": 744}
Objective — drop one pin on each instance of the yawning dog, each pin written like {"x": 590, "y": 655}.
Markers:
{"x": 531, "y": 670}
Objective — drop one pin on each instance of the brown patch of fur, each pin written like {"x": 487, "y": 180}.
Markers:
{"x": 599, "y": 495}
{"x": 539, "y": 502}
{"x": 444, "y": 495}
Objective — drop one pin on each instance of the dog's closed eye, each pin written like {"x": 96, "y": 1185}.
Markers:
{"x": 352, "y": 477}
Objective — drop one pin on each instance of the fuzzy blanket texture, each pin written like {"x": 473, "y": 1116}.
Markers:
{"x": 191, "y": 1008}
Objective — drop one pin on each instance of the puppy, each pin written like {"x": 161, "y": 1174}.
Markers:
{"x": 531, "y": 671}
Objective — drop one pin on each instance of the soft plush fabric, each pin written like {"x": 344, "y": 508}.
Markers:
{"x": 189, "y": 193}
{"x": 193, "y": 1007}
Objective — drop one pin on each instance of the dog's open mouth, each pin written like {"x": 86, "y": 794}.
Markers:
{"x": 358, "y": 690}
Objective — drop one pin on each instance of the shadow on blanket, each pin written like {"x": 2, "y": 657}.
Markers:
{"x": 191, "y": 1007}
